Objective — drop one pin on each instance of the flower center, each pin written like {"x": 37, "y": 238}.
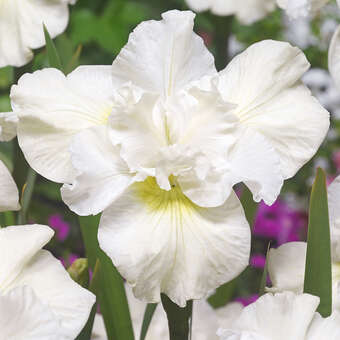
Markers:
{"x": 159, "y": 200}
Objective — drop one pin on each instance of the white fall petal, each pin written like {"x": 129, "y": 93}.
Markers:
{"x": 246, "y": 11}
{"x": 52, "y": 108}
{"x": 162, "y": 242}
{"x": 38, "y": 299}
{"x": 280, "y": 317}
{"x": 9, "y": 194}
{"x": 21, "y": 27}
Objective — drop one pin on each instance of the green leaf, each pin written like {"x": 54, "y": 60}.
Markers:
{"x": 179, "y": 319}
{"x": 265, "y": 274}
{"x": 52, "y": 54}
{"x": 318, "y": 274}
{"x": 249, "y": 205}
{"x": 86, "y": 332}
{"x": 110, "y": 289}
{"x": 148, "y": 314}
{"x": 223, "y": 294}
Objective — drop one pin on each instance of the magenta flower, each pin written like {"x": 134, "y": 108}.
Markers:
{"x": 247, "y": 300}
{"x": 258, "y": 261}
{"x": 61, "y": 227}
{"x": 279, "y": 222}
{"x": 336, "y": 159}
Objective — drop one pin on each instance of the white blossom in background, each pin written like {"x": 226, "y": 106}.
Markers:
{"x": 8, "y": 126}
{"x": 9, "y": 194}
{"x": 286, "y": 264}
{"x": 157, "y": 142}
{"x": 301, "y": 8}
{"x": 323, "y": 88}
{"x": 206, "y": 320}
{"x": 21, "y": 27}
{"x": 246, "y": 11}
{"x": 38, "y": 299}
{"x": 298, "y": 32}
{"x": 283, "y": 316}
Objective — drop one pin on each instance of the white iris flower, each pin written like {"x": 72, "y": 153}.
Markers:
{"x": 38, "y": 299}
{"x": 157, "y": 142}
{"x": 283, "y": 316}
{"x": 21, "y": 27}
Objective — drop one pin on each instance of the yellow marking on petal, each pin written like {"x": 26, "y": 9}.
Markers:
{"x": 336, "y": 272}
{"x": 105, "y": 115}
{"x": 159, "y": 200}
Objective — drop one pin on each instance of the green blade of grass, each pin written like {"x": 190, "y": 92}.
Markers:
{"x": 109, "y": 289}
{"x": 52, "y": 54}
{"x": 318, "y": 273}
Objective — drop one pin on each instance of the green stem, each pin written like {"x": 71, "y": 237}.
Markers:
{"x": 27, "y": 196}
{"x": 178, "y": 318}
{"x": 222, "y": 35}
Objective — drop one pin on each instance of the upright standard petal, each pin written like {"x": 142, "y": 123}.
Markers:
{"x": 52, "y": 108}
{"x": 9, "y": 194}
{"x": 8, "y": 126}
{"x": 102, "y": 174}
{"x": 334, "y": 58}
{"x": 276, "y": 317}
{"x": 24, "y": 316}
{"x": 164, "y": 56}
{"x": 21, "y": 27}
{"x": 286, "y": 267}
{"x": 18, "y": 244}
{"x": 162, "y": 242}
{"x": 264, "y": 82}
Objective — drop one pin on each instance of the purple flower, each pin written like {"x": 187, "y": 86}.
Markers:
{"x": 247, "y": 300}
{"x": 258, "y": 261}
{"x": 61, "y": 227}
{"x": 279, "y": 222}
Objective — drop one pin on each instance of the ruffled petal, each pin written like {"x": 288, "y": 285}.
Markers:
{"x": 70, "y": 303}
{"x": 52, "y": 108}
{"x": 264, "y": 82}
{"x": 102, "y": 173}
{"x": 162, "y": 242}
{"x": 24, "y": 316}
{"x": 164, "y": 56}
{"x": 18, "y": 244}
{"x": 9, "y": 194}
{"x": 286, "y": 267}
{"x": 276, "y": 317}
